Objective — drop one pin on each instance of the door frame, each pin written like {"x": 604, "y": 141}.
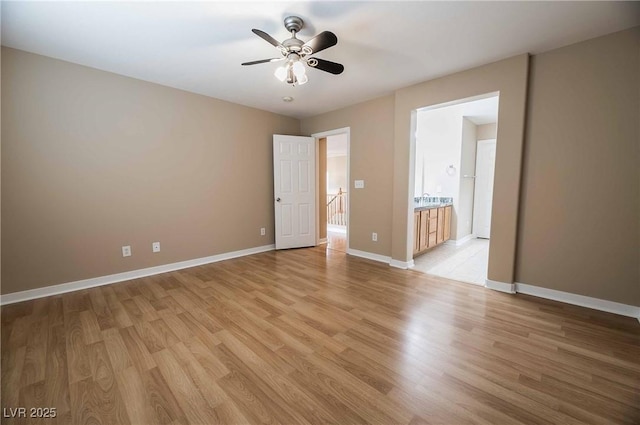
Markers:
{"x": 320, "y": 135}
{"x": 412, "y": 161}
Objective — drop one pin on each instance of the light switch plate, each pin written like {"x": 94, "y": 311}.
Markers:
{"x": 359, "y": 184}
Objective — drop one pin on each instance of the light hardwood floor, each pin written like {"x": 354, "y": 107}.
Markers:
{"x": 315, "y": 337}
{"x": 337, "y": 241}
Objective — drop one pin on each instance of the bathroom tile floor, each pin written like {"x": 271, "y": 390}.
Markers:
{"x": 465, "y": 263}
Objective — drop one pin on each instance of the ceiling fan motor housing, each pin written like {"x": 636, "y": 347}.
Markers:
{"x": 293, "y": 23}
{"x": 293, "y": 44}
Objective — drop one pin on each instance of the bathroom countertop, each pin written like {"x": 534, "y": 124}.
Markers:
{"x": 422, "y": 203}
{"x": 432, "y": 205}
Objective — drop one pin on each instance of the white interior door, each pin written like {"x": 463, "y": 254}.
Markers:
{"x": 294, "y": 183}
{"x": 483, "y": 192}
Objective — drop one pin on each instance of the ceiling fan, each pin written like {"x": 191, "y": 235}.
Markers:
{"x": 297, "y": 53}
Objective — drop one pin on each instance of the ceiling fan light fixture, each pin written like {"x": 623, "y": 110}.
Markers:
{"x": 281, "y": 73}
{"x": 299, "y": 69}
{"x": 302, "y": 79}
{"x": 291, "y": 77}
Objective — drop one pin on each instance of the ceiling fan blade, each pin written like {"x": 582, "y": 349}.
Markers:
{"x": 263, "y": 61}
{"x": 325, "y": 65}
{"x": 267, "y": 38}
{"x": 322, "y": 41}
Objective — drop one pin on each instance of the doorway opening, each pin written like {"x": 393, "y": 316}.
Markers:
{"x": 454, "y": 162}
{"x": 333, "y": 189}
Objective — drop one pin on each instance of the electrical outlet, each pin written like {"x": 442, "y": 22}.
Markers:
{"x": 155, "y": 247}
{"x": 263, "y": 231}
{"x": 126, "y": 251}
{"x": 374, "y": 237}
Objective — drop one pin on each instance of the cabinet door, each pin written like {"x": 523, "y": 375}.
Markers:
{"x": 433, "y": 220}
{"x": 440, "y": 235}
{"x": 447, "y": 223}
{"x": 432, "y": 239}
{"x": 416, "y": 232}
{"x": 424, "y": 232}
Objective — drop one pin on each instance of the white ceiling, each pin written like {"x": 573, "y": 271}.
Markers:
{"x": 198, "y": 46}
{"x": 483, "y": 111}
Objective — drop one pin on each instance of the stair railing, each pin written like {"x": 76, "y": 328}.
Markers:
{"x": 337, "y": 208}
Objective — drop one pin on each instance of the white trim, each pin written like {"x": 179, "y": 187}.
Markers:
{"x": 509, "y": 288}
{"x": 336, "y": 229}
{"x": 461, "y": 241}
{"x": 320, "y": 204}
{"x": 322, "y": 241}
{"x": 402, "y": 264}
{"x": 369, "y": 255}
{"x": 336, "y": 155}
{"x": 581, "y": 300}
{"x": 382, "y": 259}
{"x": 332, "y": 132}
{"x": 120, "y": 277}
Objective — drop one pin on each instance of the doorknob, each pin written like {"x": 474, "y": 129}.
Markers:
{"x": 277, "y": 199}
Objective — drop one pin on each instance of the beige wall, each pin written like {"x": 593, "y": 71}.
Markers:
{"x": 92, "y": 161}
{"x": 487, "y": 131}
{"x": 509, "y": 77}
{"x": 371, "y": 158}
{"x": 579, "y": 229}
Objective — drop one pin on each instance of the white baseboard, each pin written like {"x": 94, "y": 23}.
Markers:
{"x": 509, "y": 288}
{"x": 120, "y": 277}
{"x": 336, "y": 229}
{"x": 381, "y": 258}
{"x": 461, "y": 241}
{"x": 322, "y": 241}
{"x": 369, "y": 255}
{"x": 581, "y": 300}
{"x": 402, "y": 264}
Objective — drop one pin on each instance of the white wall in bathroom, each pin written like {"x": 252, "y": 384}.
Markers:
{"x": 438, "y": 145}
{"x": 467, "y": 167}
{"x": 438, "y": 136}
